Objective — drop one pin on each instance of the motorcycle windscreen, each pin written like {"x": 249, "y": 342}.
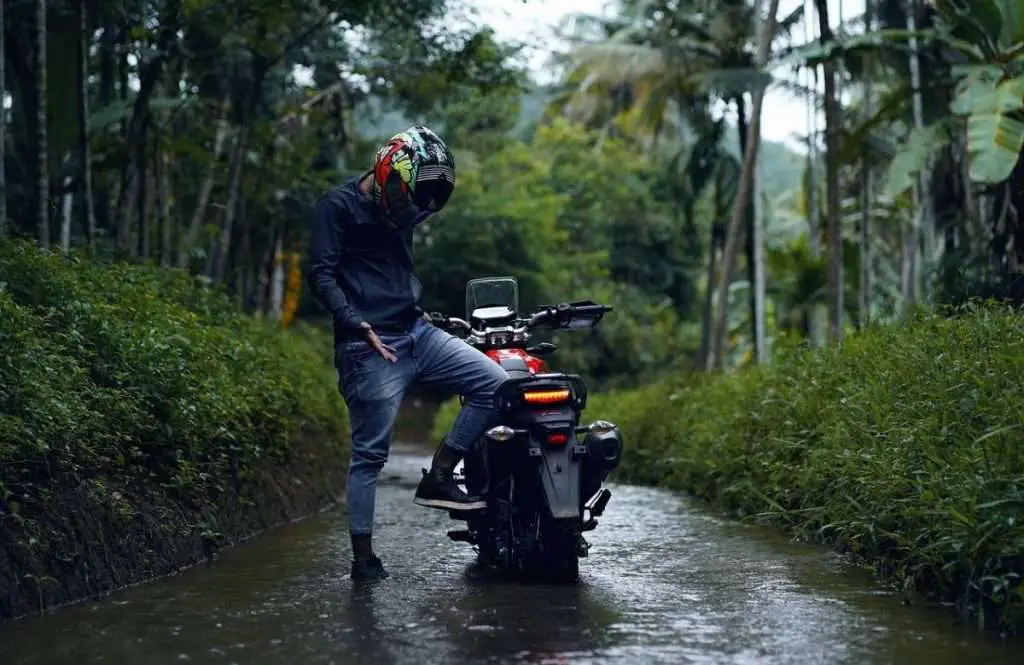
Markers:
{"x": 560, "y": 480}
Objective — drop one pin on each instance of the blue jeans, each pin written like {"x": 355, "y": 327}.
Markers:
{"x": 373, "y": 389}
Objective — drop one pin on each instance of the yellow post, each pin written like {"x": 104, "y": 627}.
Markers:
{"x": 293, "y": 290}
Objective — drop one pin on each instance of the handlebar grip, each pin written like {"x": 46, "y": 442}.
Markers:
{"x": 591, "y": 309}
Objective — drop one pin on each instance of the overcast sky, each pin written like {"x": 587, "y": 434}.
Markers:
{"x": 535, "y": 21}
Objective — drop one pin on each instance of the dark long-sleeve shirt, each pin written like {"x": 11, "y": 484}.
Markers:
{"x": 360, "y": 268}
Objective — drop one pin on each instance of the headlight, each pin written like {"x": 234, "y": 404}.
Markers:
{"x": 498, "y": 339}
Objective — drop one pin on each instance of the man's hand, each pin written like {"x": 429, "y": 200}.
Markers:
{"x": 385, "y": 350}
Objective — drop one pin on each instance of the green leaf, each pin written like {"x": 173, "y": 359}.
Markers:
{"x": 1007, "y": 97}
{"x": 1013, "y": 22}
{"x": 978, "y": 81}
{"x": 122, "y": 109}
{"x": 994, "y": 142}
{"x": 978, "y": 21}
{"x": 916, "y": 153}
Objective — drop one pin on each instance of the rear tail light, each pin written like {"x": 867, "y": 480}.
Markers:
{"x": 555, "y": 396}
{"x": 558, "y": 438}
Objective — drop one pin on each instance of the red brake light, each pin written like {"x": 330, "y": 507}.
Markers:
{"x": 559, "y": 438}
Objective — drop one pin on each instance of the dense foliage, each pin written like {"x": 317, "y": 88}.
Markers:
{"x": 121, "y": 370}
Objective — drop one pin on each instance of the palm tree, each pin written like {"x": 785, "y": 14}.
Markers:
{"x": 832, "y": 195}
{"x": 665, "y": 64}
{"x": 716, "y": 352}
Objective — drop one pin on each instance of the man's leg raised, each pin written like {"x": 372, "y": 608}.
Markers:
{"x": 448, "y": 363}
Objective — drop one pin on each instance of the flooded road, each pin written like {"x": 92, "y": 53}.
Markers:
{"x": 665, "y": 583}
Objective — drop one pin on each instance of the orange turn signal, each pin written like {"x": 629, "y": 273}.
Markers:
{"x": 546, "y": 396}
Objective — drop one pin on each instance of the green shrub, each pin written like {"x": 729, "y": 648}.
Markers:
{"x": 904, "y": 448}
{"x": 145, "y": 372}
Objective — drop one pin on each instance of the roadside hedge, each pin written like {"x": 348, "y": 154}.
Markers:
{"x": 903, "y": 448}
{"x": 142, "y": 391}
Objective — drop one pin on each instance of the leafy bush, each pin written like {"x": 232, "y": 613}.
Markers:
{"x": 903, "y": 448}
{"x": 146, "y": 373}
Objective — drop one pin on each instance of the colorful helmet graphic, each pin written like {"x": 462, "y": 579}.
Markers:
{"x": 414, "y": 167}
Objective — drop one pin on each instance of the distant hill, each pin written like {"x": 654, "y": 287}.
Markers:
{"x": 781, "y": 168}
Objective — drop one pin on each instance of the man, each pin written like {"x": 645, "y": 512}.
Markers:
{"x": 361, "y": 271}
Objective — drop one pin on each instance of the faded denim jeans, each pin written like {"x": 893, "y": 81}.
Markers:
{"x": 373, "y": 389}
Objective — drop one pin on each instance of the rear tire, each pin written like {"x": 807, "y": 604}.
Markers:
{"x": 559, "y": 562}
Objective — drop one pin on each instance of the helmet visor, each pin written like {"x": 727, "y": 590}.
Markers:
{"x": 434, "y": 187}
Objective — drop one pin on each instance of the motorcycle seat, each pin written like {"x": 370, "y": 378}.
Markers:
{"x": 516, "y": 367}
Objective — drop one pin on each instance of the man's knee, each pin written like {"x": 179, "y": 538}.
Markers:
{"x": 371, "y": 459}
{"x": 372, "y": 424}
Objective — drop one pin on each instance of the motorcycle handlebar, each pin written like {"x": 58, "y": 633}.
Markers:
{"x": 566, "y": 310}
{"x": 538, "y": 318}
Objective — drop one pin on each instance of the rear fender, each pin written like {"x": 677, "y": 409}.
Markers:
{"x": 560, "y": 471}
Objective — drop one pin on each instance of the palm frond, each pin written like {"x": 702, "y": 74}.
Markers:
{"x": 788, "y": 23}
{"x": 619, "y": 62}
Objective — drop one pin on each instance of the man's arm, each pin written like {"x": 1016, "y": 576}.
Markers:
{"x": 324, "y": 254}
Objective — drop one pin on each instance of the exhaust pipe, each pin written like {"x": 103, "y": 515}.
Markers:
{"x": 603, "y": 442}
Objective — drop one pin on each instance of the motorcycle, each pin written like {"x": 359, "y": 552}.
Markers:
{"x": 539, "y": 470}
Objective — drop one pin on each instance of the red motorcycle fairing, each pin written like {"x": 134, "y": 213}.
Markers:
{"x": 535, "y": 365}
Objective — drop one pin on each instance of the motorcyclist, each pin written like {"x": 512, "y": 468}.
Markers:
{"x": 361, "y": 271}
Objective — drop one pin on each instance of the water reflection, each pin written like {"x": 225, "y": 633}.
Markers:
{"x": 665, "y": 583}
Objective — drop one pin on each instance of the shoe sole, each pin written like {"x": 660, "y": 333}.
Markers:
{"x": 450, "y": 505}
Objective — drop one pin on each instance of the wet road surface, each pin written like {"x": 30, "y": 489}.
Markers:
{"x": 665, "y": 582}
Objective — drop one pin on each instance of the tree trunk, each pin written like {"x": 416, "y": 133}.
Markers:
{"x": 716, "y": 352}
{"x": 910, "y": 267}
{"x": 759, "y": 285}
{"x": 107, "y": 88}
{"x": 277, "y": 279}
{"x": 83, "y": 130}
{"x": 67, "y": 207}
{"x": 161, "y": 165}
{"x": 832, "y": 193}
{"x": 867, "y": 186}
{"x": 756, "y": 333}
{"x": 149, "y": 77}
{"x": 142, "y": 178}
{"x": 42, "y": 163}
{"x": 185, "y": 252}
{"x": 127, "y": 182}
{"x": 231, "y": 207}
{"x": 815, "y": 318}
{"x": 3, "y": 120}
{"x": 707, "y": 319}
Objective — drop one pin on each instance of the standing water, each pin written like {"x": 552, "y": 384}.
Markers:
{"x": 665, "y": 583}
